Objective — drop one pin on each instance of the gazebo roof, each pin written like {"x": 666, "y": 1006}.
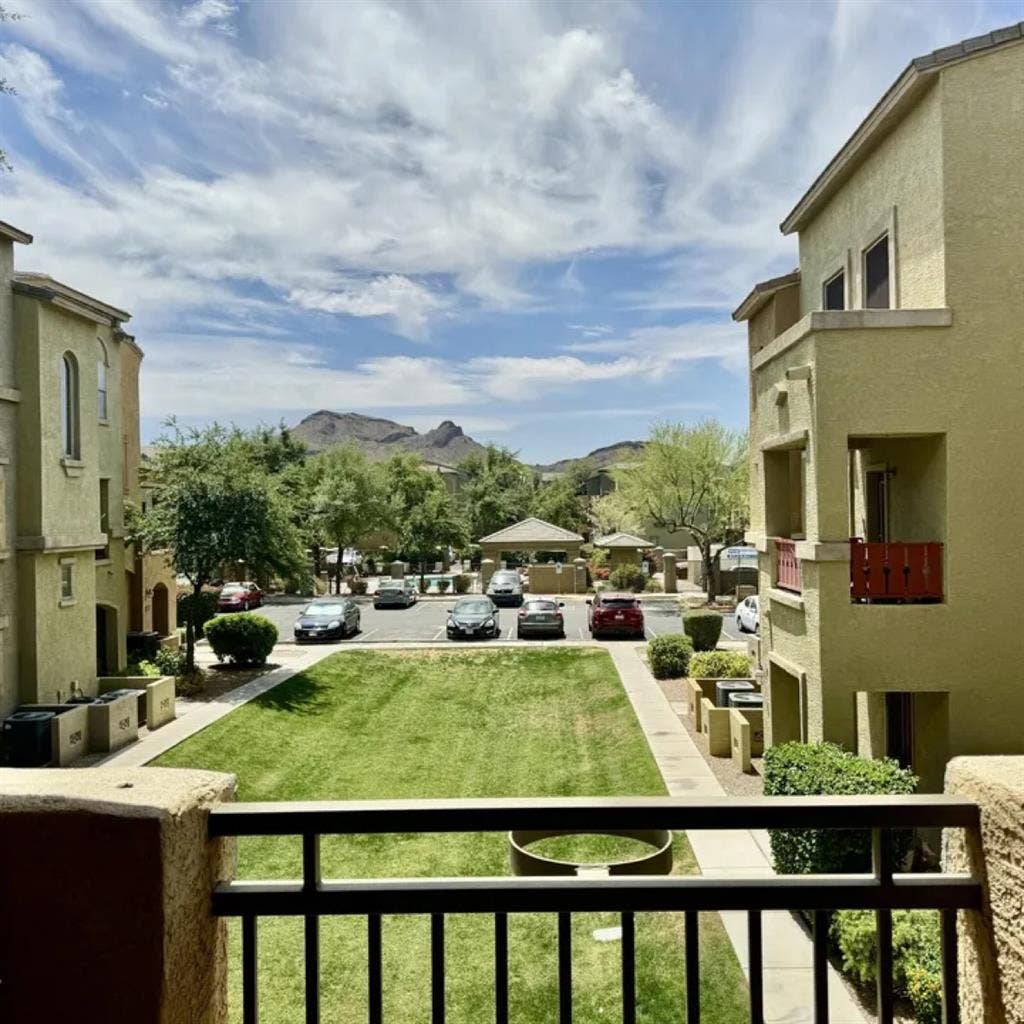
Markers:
{"x": 622, "y": 540}
{"x": 532, "y": 531}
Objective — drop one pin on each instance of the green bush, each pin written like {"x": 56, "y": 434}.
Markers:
{"x": 669, "y": 656}
{"x": 462, "y": 583}
{"x": 720, "y": 665}
{"x": 443, "y": 585}
{"x": 703, "y": 627}
{"x": 653, "y": 587}
{"x": 206, "y": 609}
{"x": 170, "y": 662}
{"x": 916, "y": 953}
{"x": 357, "y": 585}
{"x": 627, "y": 577}
{"x": 824, "y": 769}
{"x": 140, "y": 668}
{"x": 244, "y": 638}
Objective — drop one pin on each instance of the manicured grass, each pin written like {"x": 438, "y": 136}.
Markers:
{"x": 452, "y": 724}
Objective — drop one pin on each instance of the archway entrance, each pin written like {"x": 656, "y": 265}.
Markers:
{"x": 161, "y": 619}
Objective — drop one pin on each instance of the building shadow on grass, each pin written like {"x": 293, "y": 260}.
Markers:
{"x": 299, "y": 695}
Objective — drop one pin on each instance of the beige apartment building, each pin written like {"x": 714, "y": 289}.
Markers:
{"x": 886, "y": 411}
{"x": 70, "y": 586}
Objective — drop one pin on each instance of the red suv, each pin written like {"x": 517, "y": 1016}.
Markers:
{"x": 615, "y": 614}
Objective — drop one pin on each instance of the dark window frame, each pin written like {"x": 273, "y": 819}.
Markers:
{"x": 839, "y": 277}
{"x": 877, "y": 294}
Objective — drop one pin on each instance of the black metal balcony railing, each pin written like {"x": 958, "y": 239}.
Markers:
{"x": 313, "y": 897}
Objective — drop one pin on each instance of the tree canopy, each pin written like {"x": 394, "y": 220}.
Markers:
{"x": 497, "y": 491}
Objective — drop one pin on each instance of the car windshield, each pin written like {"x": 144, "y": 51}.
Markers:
{"x": 472, "y": 608}
{"x": 324, "y": 610}
{"x": 541, "y": 606}
{"x": 390, "y": 588}
{"x": 233, "y": 588}
{"x": 505, "y": 577}
{"x": 618, "y": 602}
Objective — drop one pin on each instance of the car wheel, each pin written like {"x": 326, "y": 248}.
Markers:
{"x": 739, "y": 625}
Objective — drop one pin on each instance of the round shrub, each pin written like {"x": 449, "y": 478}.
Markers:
{"x": 824, "y": 769}
{"x": 720, "y": 665}
{"x": 170, "y": 661}
{"x": 443, "y": 585}
{"x": 653, "y": 587}
{"x": 703, "y": 627}
{"x": 462, "y": 583}
{"x": 669, "y": 656}
{"x": 205, "y": 608}
{"x": 243, "y": 638}
{"x": 627, "y": 577}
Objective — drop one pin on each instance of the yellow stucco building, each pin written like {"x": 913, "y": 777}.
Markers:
{"x": 886, "y": 403}
{"x": 70, "y": 586}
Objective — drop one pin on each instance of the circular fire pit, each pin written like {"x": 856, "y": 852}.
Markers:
{"x": 657, "y": 862}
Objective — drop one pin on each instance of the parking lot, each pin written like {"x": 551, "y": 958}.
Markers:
{"x": 425, "y": 620}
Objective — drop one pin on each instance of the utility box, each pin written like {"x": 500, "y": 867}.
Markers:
{"x": 27, "y": 737}
{"x": 725, "y": 688}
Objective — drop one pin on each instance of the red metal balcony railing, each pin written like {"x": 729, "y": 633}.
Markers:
{"x": 895, "y": 571}
{"x": 787, "y": 565}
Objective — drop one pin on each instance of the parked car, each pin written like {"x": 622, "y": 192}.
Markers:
{"x": 615, "y": 614}
{"x": 748, "y": 614}
{"x": 328, "y": 618}
{"x": 239, "y": 597}
{"x": 473, "y": 617}
{"x": 541, "y": 616}
{"x": 395, "y": 594}
{"x": 505, "y": 587}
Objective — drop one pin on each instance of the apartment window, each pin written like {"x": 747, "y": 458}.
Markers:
{"x": 104, "y": 552}
{"x": 101, "y": 383}
{"x": 69, "y": 424}
{"x": 834, "y": 292}
{"x": 67, "y": 581}
{"x": 876, "y": 275}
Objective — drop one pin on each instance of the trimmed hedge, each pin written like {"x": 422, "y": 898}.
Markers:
{"x": 669, "y": 656}
{"x": 627, "y": 577}
{"x": 824, "y": 769}
{"x": 462, "y": 583}
{"x": 243, "y": 638}
{"x": 703, "y": 627}
{"x": 916, "y": 951}
{"x": 720, "y": 665}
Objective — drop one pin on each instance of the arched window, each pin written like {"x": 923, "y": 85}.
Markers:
{"x": 69, "y": 427}
{"x": 101, "y": 382}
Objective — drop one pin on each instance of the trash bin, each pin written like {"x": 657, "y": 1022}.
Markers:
{"x": 143, "y": 644}
{"x": 27, "y": 736}
{"x": 740, "y": 699}
{"x": 139, "y": 695}
{"x": 725, "y": 687}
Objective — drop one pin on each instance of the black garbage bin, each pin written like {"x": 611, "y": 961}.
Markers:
{"x": 27, "y": 737}
{"x": 725, "y": 687}
{"x": 143, "y": 644}
{"x": 740, "y": 699}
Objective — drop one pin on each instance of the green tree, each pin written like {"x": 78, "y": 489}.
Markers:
{"x": 216, "y": 505}
{"x": 562, "y": 501}
{"x": 349, "y": 501}
{"x": 497, "y": 491}
{"x": 610, "y": 514}
{"x": 692, "y": 478}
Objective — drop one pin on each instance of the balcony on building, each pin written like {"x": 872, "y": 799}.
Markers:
{"x": 785, "y": 476}
{"x": 897, "y": 519}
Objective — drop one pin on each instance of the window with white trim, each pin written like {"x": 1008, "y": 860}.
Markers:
{"x": 67, "y": 581}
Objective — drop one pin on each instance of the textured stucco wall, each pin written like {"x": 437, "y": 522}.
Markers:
{"x": 952, "y": 170}
{"x": 904, "y": 172}
{"x": 8, "y": 488}
{"x": 991, "y": 944}
{"x": 83, "y": 941}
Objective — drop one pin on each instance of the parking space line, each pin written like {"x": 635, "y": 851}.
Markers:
{"x": 508, "y": 635}
{"x": 652, "y": 631}
{"x": 439, "y": 633}
{"x": 581, "y": 633}
{"x": 367, "y": 634}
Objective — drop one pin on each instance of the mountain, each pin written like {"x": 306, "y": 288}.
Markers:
{"x": 599, "y": 458}
{"x": 379, "y": 438}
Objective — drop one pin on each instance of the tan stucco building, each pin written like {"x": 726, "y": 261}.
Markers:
{"x": 69, "y": 460}
{"x": 886, "y": 405}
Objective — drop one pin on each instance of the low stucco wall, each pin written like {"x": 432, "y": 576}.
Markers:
{"x": 105, "y": 882}
{"x": 991, "y": 944}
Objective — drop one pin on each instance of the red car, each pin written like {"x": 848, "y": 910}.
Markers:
{"x": 615, "y": 615}
{"x": 239, "y": 597}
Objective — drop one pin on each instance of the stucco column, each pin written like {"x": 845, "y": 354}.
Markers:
{"x": 398, "y": 570}
{"x": 105, "y": 883}
{"x": 657, "y": 556}
{"x": 991, "y": 955}
{"x": 487, "y": 567}
{"x": 669, "y": 561}
{"x": 580, "y": 567}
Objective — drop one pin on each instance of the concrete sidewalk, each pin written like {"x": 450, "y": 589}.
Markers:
{"x": 788, "y": 975}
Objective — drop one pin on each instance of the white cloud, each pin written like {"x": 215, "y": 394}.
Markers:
{"x": 409, "y": 304}
{"x": 661, "y": 348}
{"x": 217, "y": 13}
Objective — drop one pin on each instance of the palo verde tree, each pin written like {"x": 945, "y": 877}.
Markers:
{"x": 562, "y": 501}
{"x": 216, "y": 506}
{"x": 692, "y": 478}
{"x": 349, "y": 502}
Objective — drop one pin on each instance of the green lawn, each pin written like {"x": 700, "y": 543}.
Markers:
{"x": 452, "y": 724}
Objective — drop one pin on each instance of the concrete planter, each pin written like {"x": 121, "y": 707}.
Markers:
{"x": 159, "y": 701}
{"x": 715, "y": 728}
{"x": 69, "y": 731}
{"x": 113, "y": 725}
{"x": 746, "y": 728}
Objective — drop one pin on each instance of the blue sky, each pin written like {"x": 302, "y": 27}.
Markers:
{"x": 531, "y": 218}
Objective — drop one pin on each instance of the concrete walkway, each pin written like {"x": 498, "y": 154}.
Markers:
{"x": 788, "y": 976}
